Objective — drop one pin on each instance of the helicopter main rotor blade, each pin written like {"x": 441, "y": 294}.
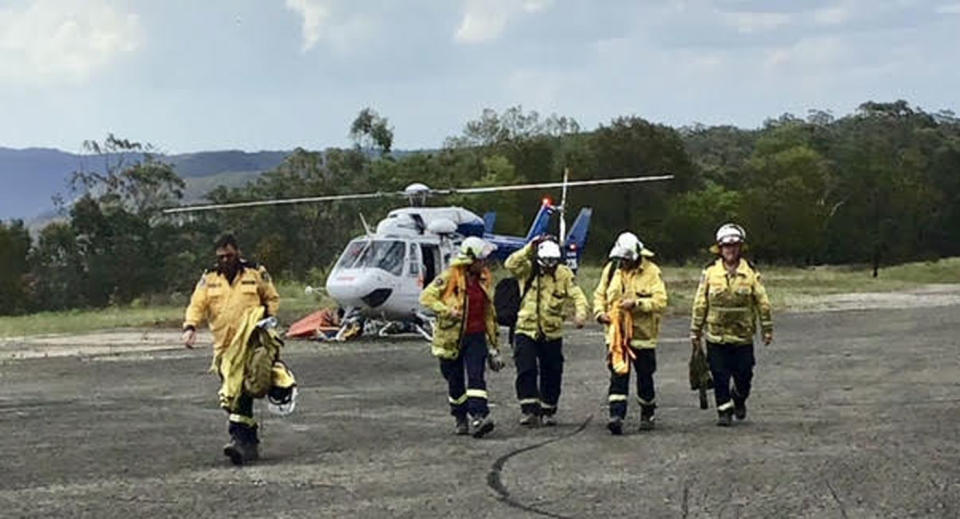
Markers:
{"x": 384, "y": 194}
{"x": 281, "y": 201}
{"x": 547, "y": 185}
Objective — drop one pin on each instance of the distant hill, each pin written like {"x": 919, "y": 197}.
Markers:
{"x": 32, "y": 176}
{"x": 207, "y": 163}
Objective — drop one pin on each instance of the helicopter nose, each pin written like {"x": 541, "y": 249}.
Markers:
{"x": 357, "y": 289}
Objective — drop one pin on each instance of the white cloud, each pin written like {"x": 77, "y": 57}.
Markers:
{"x": 949, "y": 9}
{"x": 322, "y": 22}
{"x": 485, "y": 20}
{"x": 534, "y": 6}
{"x": 834, "y": 15}
{"x": 53, "y": 41}
{"x": 314, "y": 14}
{"x": 748, "y": 22}
{"x": 813, "y": 54}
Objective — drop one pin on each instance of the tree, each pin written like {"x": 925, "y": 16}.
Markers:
{"x": 788, "y": 204}
{"x": 371, "y": 131}
{"x": 118, "y": 237}
{"x": 133, "y": 177}
{"x": 883, "y": 150}
{"x": 58, "y": 274}
{"x": 296, "y": 239}
{"x": 631, "y": 146}
{"x": 14, "y": 267}
{"x": 691, "y": 219}
{"x": 514, "y": 125}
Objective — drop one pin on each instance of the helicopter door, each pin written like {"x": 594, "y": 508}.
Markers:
{"x": 431, "y": 262}
{"x": 414, "y": 263}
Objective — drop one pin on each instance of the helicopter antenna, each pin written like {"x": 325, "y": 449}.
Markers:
{"x": 366, "y": 227}
{"x": 563, "y": 207}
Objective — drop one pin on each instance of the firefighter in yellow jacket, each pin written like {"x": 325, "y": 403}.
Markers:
{"x": 546, "y": 286}
{"x": 465, "y": 336}
{"x": 630, "y": 300}
{"x": 222, "y": 297}
{"x": 729, "y": 300}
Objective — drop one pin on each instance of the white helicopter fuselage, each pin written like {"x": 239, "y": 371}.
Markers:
{"x": 380, "y": 275}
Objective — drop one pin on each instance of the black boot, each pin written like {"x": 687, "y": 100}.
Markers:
{"x": 530, "y": 420}
{"x": 251, "y": 447}
{"x": 725, "y": 418}
{"x": 244, "y": 444}
{"x": 463, "y": 426}
{"x": 646, "y": 417}
{"x": 740, "y": 409}
{"x": 482, "y": 426}
{"x": 615, "y": 425}
{"x": 234, "y": 450}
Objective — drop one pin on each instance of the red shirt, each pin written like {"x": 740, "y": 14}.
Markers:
{"x": 476, "y": 307}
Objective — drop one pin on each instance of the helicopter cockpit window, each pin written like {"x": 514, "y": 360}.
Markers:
{"x": 384, "y": 255}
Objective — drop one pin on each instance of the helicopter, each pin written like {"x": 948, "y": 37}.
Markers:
{"x": 378, "y": 277}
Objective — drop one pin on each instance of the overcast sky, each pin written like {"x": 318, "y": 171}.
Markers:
{"x": 191, "y": 75}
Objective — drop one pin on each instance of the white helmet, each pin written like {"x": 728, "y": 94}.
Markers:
{"x": 282, "y": 397}
{"x": 548, "y": 254}
{"x": 628, "y": 247}
{"x": 474, "y": 248}
{"x": 730, "y": 233}
{"x": 282, "y": 402}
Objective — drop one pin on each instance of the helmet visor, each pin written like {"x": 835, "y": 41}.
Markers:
{"x": 729, "y": 239}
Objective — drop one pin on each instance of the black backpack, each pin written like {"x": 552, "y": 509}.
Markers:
{"x": 507, "y": 299}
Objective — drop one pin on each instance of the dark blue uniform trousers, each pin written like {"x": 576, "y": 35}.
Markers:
{"x": 730, "y": 362}
{"x": 541, "y": 359}
{"x": 467, "y": 394}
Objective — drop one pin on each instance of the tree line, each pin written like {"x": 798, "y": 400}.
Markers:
{"x": 878, "y": 186}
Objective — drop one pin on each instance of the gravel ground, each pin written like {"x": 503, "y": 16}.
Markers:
{"x": 855, "y": 414}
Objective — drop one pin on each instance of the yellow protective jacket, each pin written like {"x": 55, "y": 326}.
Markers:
{"x": 223, "y": 304}
{"x": 541, "y": 310}
{"x": 448, "y": 292}
{"x": 729, "y": 304}
{"x": 242, "y": 370}
{"x": 644, "y": 285}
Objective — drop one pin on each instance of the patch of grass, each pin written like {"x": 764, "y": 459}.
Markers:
{"x": 77, "y": 321}
{"x": 788, "y": 288}
{"x": 294, "y": 304}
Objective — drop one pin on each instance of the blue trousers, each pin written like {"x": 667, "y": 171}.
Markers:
{"x": 730, "y": 362}
{"x": 467, "y": 394}
{"x": 645, "y": 365}
{"x": 541, "y": 360}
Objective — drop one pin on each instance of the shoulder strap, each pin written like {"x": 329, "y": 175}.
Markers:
{"x": 526, "y": 286}
{"x": 614, "y": 265}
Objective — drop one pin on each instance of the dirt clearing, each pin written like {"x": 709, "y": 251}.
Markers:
{"x": 855, "y": 414}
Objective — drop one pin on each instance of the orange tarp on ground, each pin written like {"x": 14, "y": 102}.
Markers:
{"x": 323, "y": 322}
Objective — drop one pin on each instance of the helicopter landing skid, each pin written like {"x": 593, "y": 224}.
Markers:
{"x": 421, "y": 325}
{"x": 395, "y": 328}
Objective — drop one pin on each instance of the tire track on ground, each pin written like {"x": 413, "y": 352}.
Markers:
{"x": 496, "y": 483}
